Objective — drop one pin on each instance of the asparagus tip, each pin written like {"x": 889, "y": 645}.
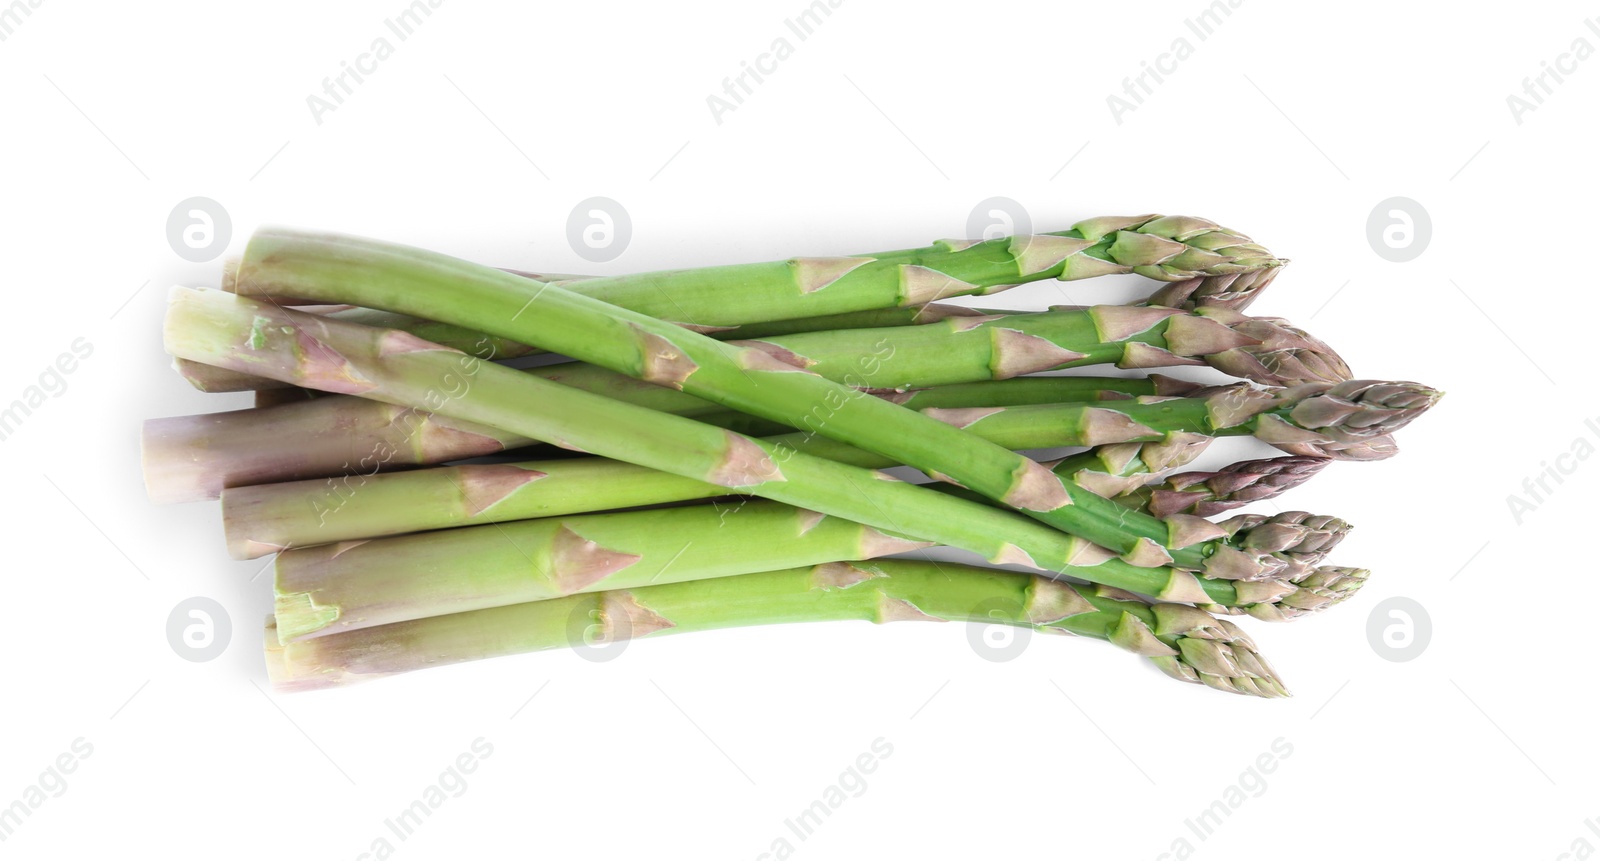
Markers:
{"x": 1219, "y": 654}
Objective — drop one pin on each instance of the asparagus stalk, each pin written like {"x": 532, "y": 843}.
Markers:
{"x": 876, "y": 318}
{"x": 1042, "y": 389}
{"x": 430, "y": 285}
{"x": 194, "y": 457}
{"x": 350, "y": 585}
{"x": 961, "y": 350}
{"x": 230, "y": 283}
{"x": 218, "y": 328}
{"x": 1205, "y": 265}
{"x": 1208, "y": 265}
{"x": 1164, "y": 248}
{"x": 1184, "y": 642}
{"x": 190, "y": 458}
{"x": 1206, "y": 493}
{"x": 1262, "y": 349}
{"x": 1350, "y": 411}
{"x": 265, "y": 518}
{"x": 210, "y": 379}
{"x": 346, "y": 586}
{"x": 1369, "y": 412}
{"x": 954, "y": 348}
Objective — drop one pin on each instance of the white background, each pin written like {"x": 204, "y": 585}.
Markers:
{"x": 884, "y": 128}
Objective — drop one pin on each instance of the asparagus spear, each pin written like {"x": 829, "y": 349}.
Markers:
{"x": 957, "y": 351}
{"x": 351, "y": 585}
{"x": 193, "y": 457}
{"x": 210, "y": 379}
{"x": 189, "y": 458}
{"x": 412, "y": 281}
{"x": 955, "y": 348}
{"x": 1350, "y": 411}
{"x": 877, "y": 318}
{"x": 1262, "y": 349}
{"x": 1164, "y": 248}
{"x": 264, "y": 518}
{"x": 1184, "y": 642}
{"x": 230, "y": 283}
{"x": 1206, "y": 493}
{"x": 231, "y": 331}
{"x": 1188, "y": 251}
{"x": 1206, "y": 265}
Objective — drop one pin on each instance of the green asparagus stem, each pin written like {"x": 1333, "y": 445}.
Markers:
{"x": 343, "y": 587}
{"x": 877, "y": 318}
{"x": 434, "y": 286}
{"x": 230, "y": 283}
{"x": 210, "y": 379}
{"x": 346, "y": 586}
{"x": 1204, "y": 494}
{"x": 1164, "y": 248}
{"x": 188, "y": 458}
{"x": 959, "y": 350}
{"x": 956, "y": 348}
{"x": 915, "y": 357}
{"x": 1322, "y": 412}
{"x": 1042, "y": 389}
{"x": 1206, "y": 265}
{"x": 265, "y": 518}
{"x": 1190, "y": 252}
{"x": 230, "y": 331}
{"x": 1265, "y": 350}
{"x": 208, "y": 452}
{"x": 191, "y": 458}
{"x": 1019, "y": 391}
{"x": 1184, "y": 642}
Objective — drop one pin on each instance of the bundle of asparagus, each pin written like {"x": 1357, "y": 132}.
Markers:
{"x": 732, "y": 426}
